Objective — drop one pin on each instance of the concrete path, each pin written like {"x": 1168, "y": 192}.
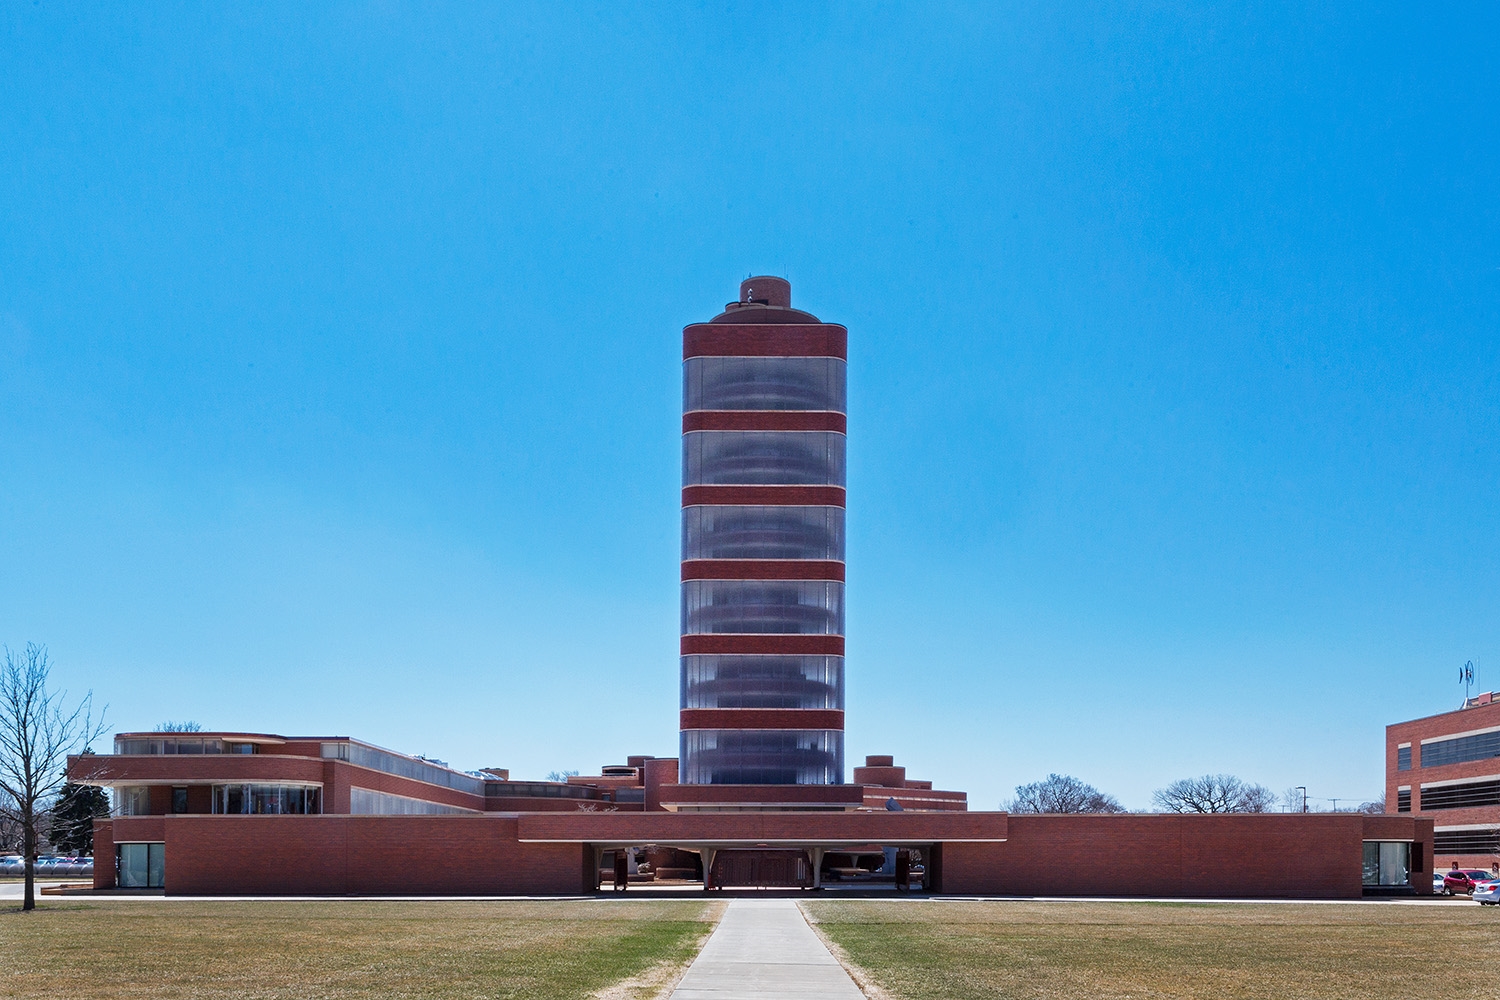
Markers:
{"x": 763, "y": 949}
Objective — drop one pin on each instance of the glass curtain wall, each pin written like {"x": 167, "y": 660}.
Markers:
{"x": 267, "y": 800}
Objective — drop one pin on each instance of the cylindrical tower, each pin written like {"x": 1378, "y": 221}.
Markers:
{"x": 763, "y": 433}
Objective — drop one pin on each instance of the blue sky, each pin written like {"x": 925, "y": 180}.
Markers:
{"x": 340, "y": 368}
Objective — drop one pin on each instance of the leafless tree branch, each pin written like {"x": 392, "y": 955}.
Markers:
{"x": 37, "y": 732}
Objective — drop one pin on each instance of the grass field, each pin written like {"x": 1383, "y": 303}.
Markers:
{"x": 1102, "y": 951}
{"x": 347, "y": 949}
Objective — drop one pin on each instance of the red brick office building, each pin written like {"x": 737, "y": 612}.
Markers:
{"x": 757, "y": 795}
{"x": 1446, "y": 768}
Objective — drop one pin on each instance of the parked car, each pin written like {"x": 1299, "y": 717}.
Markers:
{"x": 12, "y": 864}
{"x": 1487, "y": 893}
{"x": 1463, "y": 880}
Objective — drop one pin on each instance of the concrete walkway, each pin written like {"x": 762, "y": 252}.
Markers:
{"x": 763, "y": 949}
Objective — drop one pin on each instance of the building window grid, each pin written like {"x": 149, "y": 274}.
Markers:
{"x": 1460, "y": 749}
{"x": 1463, "y": 796}
{"x": 1403, "y": 758}
{"x": 1403, "y": 800}
{"x": 1481, "y": 841}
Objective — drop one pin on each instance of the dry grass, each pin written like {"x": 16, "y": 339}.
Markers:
{"x": 348, "y": 949}
{"x": 1101, "y": 951}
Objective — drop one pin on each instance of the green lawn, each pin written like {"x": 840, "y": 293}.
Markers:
{"x": 343, "y": 949}
{"x": 932, "y": 950}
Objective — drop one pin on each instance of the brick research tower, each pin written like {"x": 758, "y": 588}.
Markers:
{"x": 763, "y": 444}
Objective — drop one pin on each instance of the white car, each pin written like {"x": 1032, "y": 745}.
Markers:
{"x": 1487, "y": 893}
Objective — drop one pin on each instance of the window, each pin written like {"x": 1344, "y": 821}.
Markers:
{"x": 133, "y": 800}
{"x": 1387, "y": 863}
{"x": 764, "y": 383}
{"x": 368, "y": 802}
{"x": 1479, "y": 746}
{"x": 239, "y": 748}
{"x": 1460, "y": 796}
{"x": 758, "y": 532}
{"x": 140, "y": 866}
{"x": 538, "y": 789}
{"x": 1403, "y": 758}
{"x": 1482, "y": 840}
{"x": 168, "y": 745}
{"x": 179, "y": 800}
{"x": 763, "y": 458}
{"x": 267, "y": 800}
{"x": 1403, "y": 800}
{"x": 776, "y": 607}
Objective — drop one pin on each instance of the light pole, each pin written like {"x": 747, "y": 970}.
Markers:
{"x": 1303, "y": 790}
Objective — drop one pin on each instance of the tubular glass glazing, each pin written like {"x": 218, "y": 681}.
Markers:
{"x": 784, "y": 607}
{"x": 750, "y": 681}
{"x": 726, "y": 532}
{"x": 762, "y": 757}
{"x": 764, "y": 384}
{"x": 763, "y": 458}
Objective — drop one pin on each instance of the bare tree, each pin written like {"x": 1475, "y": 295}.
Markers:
{"x": 1061, "y": 793}
{"x": 1293, "y": 800}
{"x": 1257, "y": 799}
{"x": 1375, "y": 808}
{"x": 1213, "y": 793}
{"x": 177, "y": 727}
{"x": 37, "y": 732}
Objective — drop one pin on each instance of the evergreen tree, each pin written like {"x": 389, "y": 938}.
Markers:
{"x": 73, "y": 817}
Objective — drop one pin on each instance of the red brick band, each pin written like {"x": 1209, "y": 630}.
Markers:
{"x": 765, "y": 340}
{"x": 762, "y": 569}
{"x": 764, "y": 420}
{"x": 797, "y": 645}
{"x": 761, "y": 718}
{"x": 795, "y": 496}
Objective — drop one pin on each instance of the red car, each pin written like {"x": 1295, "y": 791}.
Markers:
{"x": 1463, "y": 880}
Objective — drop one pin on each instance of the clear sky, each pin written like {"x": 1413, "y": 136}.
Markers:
{"x": 340, "y": 368}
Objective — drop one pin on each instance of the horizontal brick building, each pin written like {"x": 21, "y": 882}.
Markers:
{"x": 255, "y": 813}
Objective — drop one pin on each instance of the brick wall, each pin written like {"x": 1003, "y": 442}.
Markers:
{"x": 336, "y": 855}
{"x": 1276, "y": 855}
